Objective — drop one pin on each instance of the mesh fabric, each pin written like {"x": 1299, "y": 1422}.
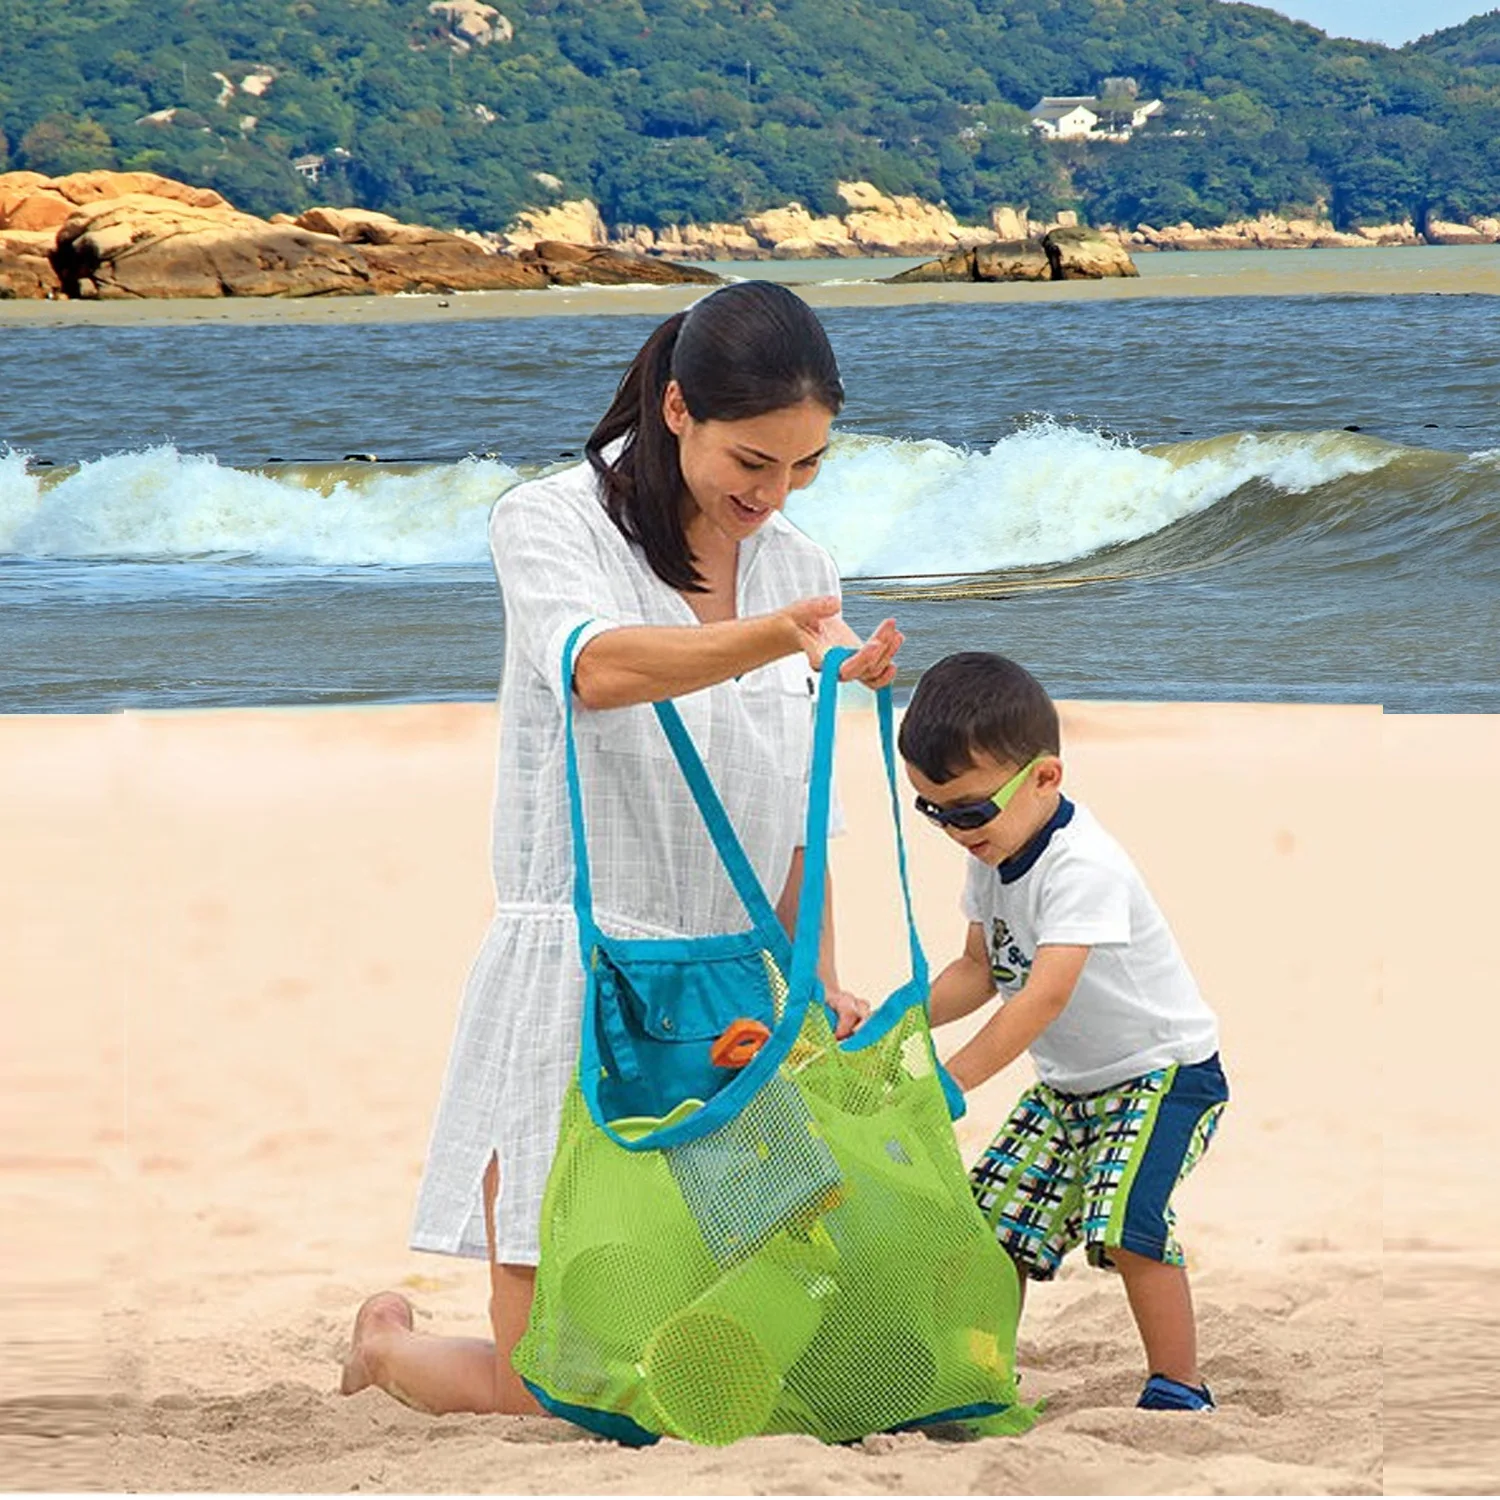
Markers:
{"x": 816, "y": 1264}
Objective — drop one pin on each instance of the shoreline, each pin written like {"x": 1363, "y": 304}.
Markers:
{"x": 1377, "y": 272}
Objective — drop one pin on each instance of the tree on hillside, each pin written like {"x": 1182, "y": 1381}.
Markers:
{"x": 61, "y": 144}
{"x": 663, "y": 110}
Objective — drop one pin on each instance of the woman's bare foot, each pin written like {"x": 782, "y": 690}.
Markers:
{"x": 377, "y": 1314}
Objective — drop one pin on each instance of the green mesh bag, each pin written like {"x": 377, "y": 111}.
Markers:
{"x": 785, "y": 1246}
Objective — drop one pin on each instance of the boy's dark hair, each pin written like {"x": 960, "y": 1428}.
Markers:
{"x": 973, "y": 702}
{"x": 743, "y": 351}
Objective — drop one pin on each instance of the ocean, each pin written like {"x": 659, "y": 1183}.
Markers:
{"x": 1237, "y": 498}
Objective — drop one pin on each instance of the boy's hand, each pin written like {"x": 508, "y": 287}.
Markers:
{"x": 852, "y": 1012}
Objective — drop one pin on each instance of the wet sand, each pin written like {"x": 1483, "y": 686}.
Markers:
{"x": 234, "y": 945}
{"x": 1448, "y": 271}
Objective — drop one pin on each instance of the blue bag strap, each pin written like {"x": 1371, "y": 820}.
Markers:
{"x": 731, "y": 852}
{"x": 886, "y": 710}
{"x": 720, "y": 829}
{"x": 583, "y": 888}
{"x": 815, "y": 837}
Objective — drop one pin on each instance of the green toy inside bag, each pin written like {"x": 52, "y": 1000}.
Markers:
{"x": 786, "y": 1244}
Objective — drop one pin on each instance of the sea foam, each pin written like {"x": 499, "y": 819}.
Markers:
{"x": 1049, "y": 494}
{"x": 163, "y": 505}
{"x": 882, "y": 506}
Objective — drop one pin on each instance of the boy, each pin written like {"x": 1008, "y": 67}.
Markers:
{"x": 1126, "y": 1051}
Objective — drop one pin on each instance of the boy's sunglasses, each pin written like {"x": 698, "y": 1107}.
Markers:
{"x": 971, "y": 815}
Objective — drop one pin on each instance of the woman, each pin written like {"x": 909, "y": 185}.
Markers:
{"x": 671, "y": 542}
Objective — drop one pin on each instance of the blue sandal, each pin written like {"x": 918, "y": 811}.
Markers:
{"x": 1162, "y": 1394}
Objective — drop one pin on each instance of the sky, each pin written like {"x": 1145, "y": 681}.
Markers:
{"x": 1393, "y": 22}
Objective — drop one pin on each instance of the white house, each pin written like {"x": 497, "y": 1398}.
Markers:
{"x": 1065, "y": 118}
{"x": 1075, "y": 117}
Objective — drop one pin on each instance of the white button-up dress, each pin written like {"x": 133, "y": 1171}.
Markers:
{"x": 560, "y": 561}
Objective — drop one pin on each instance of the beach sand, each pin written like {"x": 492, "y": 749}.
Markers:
{"x": 234, "y": 944}
{"x": 1454, "y": 271}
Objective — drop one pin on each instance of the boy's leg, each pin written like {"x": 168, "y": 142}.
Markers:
{"x": 1162, "y": 1307}
{"x": 1027, "y": 1188}
{"x": 437, "y": 1375}
{"x": 1145, "y": 1137}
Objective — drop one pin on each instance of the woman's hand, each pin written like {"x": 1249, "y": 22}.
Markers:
{"x": 852, "y": 1012}
{"x": 820, "y": 626}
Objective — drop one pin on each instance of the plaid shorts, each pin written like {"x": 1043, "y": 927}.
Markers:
{"x": 1098, "y": 1169}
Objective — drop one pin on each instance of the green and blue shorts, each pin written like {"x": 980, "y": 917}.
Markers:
{"x": 1098, "y": 1169}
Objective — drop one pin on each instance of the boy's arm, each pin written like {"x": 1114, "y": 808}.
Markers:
{"x": 965, "y": 984}
{"x": 1006, "y": 1035}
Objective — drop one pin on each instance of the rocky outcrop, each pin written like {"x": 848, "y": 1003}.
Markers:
{"x": 1270, "y": 233}
{"x": 1078, "y": 254}
{"x": 1476, "y": 232}
{"x": 1012, "y": 260}
{"x": 1065, "y": 254}
{"x": 881, "y": 225}
{"x": 874, "y": 224}
{"x": 28, "y": 200}
{"x": 471, "y": 23}
{"x": 135, "y": 234}
{"x": 587, "y": 265}
{"x": 142, "y": 246}
{"x": 957, "y": 266}
{"x": 26, "y": 265}
{"x": 449, "y": 264}
{"x": 362, "y": 226}
{"x": 418, "y": 258}
{"x": 576, "y": 222}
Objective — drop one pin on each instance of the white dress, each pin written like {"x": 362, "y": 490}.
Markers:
{"x": 560, "y": 561}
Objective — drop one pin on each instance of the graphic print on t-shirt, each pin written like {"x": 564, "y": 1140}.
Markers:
{"x": 1009, "y": 967}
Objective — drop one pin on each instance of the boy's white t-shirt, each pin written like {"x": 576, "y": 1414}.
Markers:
{"x": 1136, "y": 1006}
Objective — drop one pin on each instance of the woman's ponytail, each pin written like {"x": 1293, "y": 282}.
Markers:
{"x": 648, "y": 463}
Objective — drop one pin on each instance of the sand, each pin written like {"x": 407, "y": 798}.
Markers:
{"x": 233, "y": 946}
{"x": 1462, "y": 270}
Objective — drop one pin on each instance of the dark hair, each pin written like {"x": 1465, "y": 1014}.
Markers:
{"x": 744, "y": 350}
{"x": 976, "y": 701}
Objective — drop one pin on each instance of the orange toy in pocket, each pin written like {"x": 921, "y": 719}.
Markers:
{"x": 739, "y": 1042}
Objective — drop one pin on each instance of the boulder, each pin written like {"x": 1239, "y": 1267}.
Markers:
{"x": 583, "y": 265}
{"x": 883, "y": 225}
{"x": 690, "y": 241}
{"x": 140, "y": 246}
{"x": 956, "y": 266}
{"x": 1000, "y": 260}
{"x": 799, "y": 235}
{"x": 448, "y": 264}
{"x": 473, "y": 22}
{"x": 560, "y": 252}
{"x": 1390, "y": 234}
{"x": 1445, "y": 232}
{"x": 1012, "y": 260}
{"x": 25, "y": 264}
{"x": 29, "y": 200}
{"x": 1085, "y": 255}
{"x": 363, "y": 226}
{"x": 577, "y": 222}
{"x": 1009, "y": 223}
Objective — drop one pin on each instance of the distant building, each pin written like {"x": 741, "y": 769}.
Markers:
{"x": 311, "y": 167}
{"x": 1086, "y": 117}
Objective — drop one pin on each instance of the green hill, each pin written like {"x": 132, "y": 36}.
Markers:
{"x": 1475, "y": 44}
{"x": 670, "y": 110}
